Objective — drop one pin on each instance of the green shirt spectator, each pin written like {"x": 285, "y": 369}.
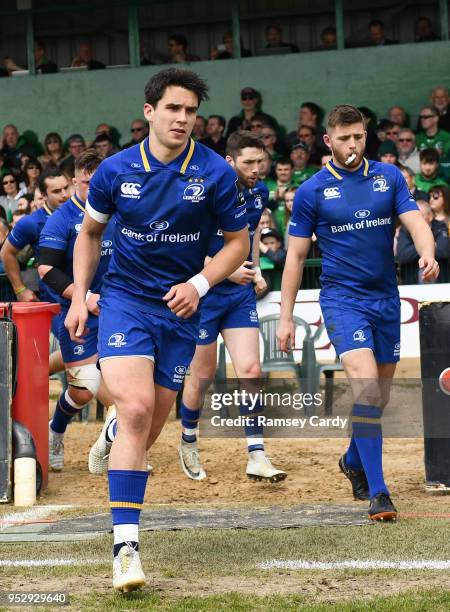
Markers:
{"x": 430, "y": 136}
{"x": 429, "y": 176}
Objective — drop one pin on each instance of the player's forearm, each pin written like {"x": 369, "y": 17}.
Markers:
{"x": 290, "y": 283}
{"x": 227, "y": 260}
{"x": 86, "y": 256}
{"x": 423, "y": 240}
{"x": 255, "y": 247}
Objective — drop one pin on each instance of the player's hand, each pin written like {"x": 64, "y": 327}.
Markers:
{"x": 92, "y": 304}
{"x": 75, "y": 321}
{"x": 243, "y": 275}
{"x": 429, "y": 268}
{"x": 27, "y": 296}
{"x": 286, "y": 335}
{"x": 182, "y": 300}
{"x": 260, "y": 285}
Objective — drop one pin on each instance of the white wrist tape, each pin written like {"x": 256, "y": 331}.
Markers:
{"x": 88, "y": 294}
{"x": 258, "y": 274}
{"x": 200, "y": 283}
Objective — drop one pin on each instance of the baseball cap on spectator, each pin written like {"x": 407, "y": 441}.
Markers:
{"x": 301, "y": 145}
{"x": 269, "y": 232}
{"x": 387, "y": 147}
{"x": 249, "y": 91}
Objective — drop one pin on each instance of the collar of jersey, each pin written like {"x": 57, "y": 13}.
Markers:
{"x": 47, "y": 209}
{"x": 180, "y": 162}
{"x": 338, "y": 172}
{"x": 78, "y": 202}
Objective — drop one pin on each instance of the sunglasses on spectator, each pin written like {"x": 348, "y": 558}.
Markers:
{"x": 137, "y": 129}
{"x": 436, "y": 195}
{"x": 265, "y": 136}
{"x": 248, "y": 97}
{"x": 9, "y": 182}
{"x": 427, "y": 116}
{"x": 405, "y": 139}
{"x": 392, "y": 132}
{"x": 53, "y": 141}
{"x": 256, "y": 125}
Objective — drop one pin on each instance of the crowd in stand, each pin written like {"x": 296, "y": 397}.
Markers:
{"x": 177, "y": 51}
{"x": 422, "y": 153}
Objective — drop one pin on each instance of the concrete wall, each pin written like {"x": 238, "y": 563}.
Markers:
{"x": 374, "y": 77}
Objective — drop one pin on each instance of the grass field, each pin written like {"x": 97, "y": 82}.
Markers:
{"x": 218, "y": 569}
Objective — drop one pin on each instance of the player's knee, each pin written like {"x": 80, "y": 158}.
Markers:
{"x": 80, "y": 396}
{"x": 85, "y": 377}
{"x": 135, "y": 419}
{"x": 371, "y": 394}
{"x": 250, "y": 370}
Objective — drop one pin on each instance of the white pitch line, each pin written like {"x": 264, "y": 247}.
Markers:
{"x": 50, "y": 562}
{"x": 35, "y": 513}
{"x": 375, "y": 564}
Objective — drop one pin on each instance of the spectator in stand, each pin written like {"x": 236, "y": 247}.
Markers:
{"x": 17, "y": 216}
{"x": 267, "y": 220}
{"x": 257, "y": 124}
{"x": 274, "y": 38}
{"x": 284, "y": 169}
{"x": 408, "y": 155}
{"x": 38, "y": 199}
{"x": 398, "y": 116}
{"x": 309, "y": 114}
{"x": 226, "y": 49}
{"x": 53, "y": 151}
{"x": 85, "y": 58}
{"x": 430, "y": 135}
{"x": 24, "y": 203}
{"x": 377, "y": 36}
{"x": 111, "y": 132}
{"x": 139, "y": 131}
{"x": 440, "y": 100}
{"x": 423, "y": 30}
{"x": 409, "y": 177}
{"x": 382, "y": 127}
{"x": 43, "y": 64}
{"x": 328, "y": 39}
{"x": 388, "y": 153}
{"x": 13, "y": 146}
{"x": 3, "y": 214}
{"x": 305, "y": 134}
{"x": 440, "y": 204}
{"x": 32, "y": 171}
{"x": 273, "y": 146}
{"x": 271, "y": 246}
{"x": 408, "y": 256}
{"x": 177, "y": 45}
{"x": 289, "y": 195}
{"x": 428, "y": 176}
{"x": 10, "y": 194}
{"x": 392, "y": 132}
{"x": 76, "y": 147}
{"x": 199, "y": 130}
{"x": 215, "y": 129}
{"x": 265, "y": 168}
{"x": 300, "y": 159}
{"x": 251, "y": 105}
{"x": 104, "y": 146}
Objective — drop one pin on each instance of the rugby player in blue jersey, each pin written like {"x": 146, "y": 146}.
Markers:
{"x": 230, "y": 309}
{"x": 351, "y": 205}
{"x": 55, "y": 268}
{"x": 168, "y": 194}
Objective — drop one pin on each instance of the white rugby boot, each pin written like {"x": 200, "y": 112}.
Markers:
{"x": 127, "y": 570}
{"x": 190, "y": 460}
{"x": 259, "y": 467}
{"x": 99, "y": 453}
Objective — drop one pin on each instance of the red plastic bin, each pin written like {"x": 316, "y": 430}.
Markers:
{"x": 30, "y": 403}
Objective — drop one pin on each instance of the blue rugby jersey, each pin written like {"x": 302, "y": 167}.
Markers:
{"x": 255, "y": 201}
{"x": 165, "y": 215}
{"x": 61, "y": 231}
{"x": 353, "y": 216}
{"x": 27, "y": 232}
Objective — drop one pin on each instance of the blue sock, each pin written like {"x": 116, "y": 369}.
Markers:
{"x": 253, "y": 430}
{"x": 352, "y": 458}
{"x": 126, "y": 495}
{"x": 189, "y": 423}
{"x": 65, "y": 410}
{"x": 369, "y": 441}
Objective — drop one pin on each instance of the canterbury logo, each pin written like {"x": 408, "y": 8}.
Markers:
{"x": 130, "y": 189}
